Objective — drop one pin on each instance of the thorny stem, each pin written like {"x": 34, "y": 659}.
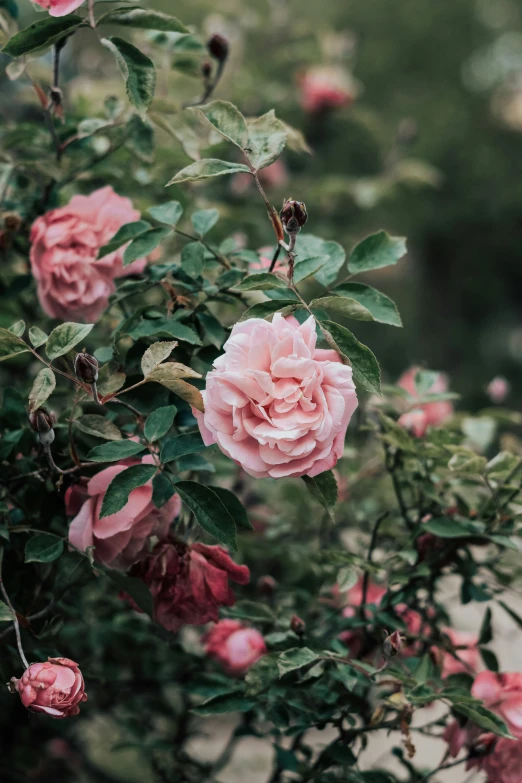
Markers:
{"x": 15, "y": 618}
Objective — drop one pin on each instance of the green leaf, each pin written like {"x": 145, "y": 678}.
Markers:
{"x": 227, "y": 120}
{"x": 209, "y": 511}
{"x": 17, "y": 328}
{"x": 159, "y": 422}
{"x": 486, "y": 629}
{"x": 266, "y": 140}
{"x": 43, "y": 33}
{"x": 43, "y": 548}
{"x": 135, "y": 588}
{"x": 446, "y": 527}
{"x": 6, "y": 615}
{"x": 308, "y": 267}
{"x": 234, "y": 507}
{"x": 171, "y": 371}
{"x": 366, "y": 371}
{"x": 162, "y": 490}
{"x": 193, "y": 259}
{"x": 98, "y": 426}
{"x": 263, "y": 674}
{"x": 514, "y": 616}
{"x": 178, "y": 446}
{"x": 490, "y": 659}
{"x": 43, "y": 386}
{"x": 117, "y": 494}
{"x": 37, "y": 337}
{"x": 376, "y": 251}
{"x": 123, "y": 235}
{"x": 213, "y": 329}
{"x": 144, "y": 244}
{"x": 347, "y": 577}
{"x": 144, "y": 19}
{"x": 204, "y": 169}
{"x": 139, "y": 138}
{"x": 262, "y": 281}
{"x": 185, "y": 390}
{"x": 115, "y": 450}
{"x": 65, "y": 337}
{"x": 10, "y": 345}
{"x": 382, "y": 309}
{"x": 347, "y": 307}
{"x": 137, "y": 70}
{"x": 203, "y": 220}
{"x": 424, "y": 670}
{"x": 323, "y": 488}
{"x": 336, "y": 258}
{"x": 168, "y": 213}
{"x": 251, "y": 610}
{"x": 165, "y": 326}
{"x": 296, "y": 658}
{"x": 155, "y": 354}
{"x": 264, "y": 309}
{"x": 484, "y": 718}
{"x": 225, "y": 702}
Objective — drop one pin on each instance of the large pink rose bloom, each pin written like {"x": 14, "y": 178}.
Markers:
{"x": 59, "y": 7}
{"x": 234, "y": 645}
{"x": 274, "y": 403}
{"x": 122, "y": 538}
{"x": 431, "y": 414}
{"x": 72, "y": 284}
{"x": 189, "y": 583}
{"x": 54, "y": 687}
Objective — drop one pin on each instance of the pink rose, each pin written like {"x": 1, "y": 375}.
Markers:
{"x": 456, "y": 736}
{"x": 502, "y": 693}
{"x": 503, "y": 763}
{"x": 235, "y": 646}
{"x": 498, "y": 389}
{"x": 274, "y": 403}
{"x": 467, "y": 660}
{"x": 189, "y": 583}
{"x": 72, "y": 284}
{"x": 325, "y": 88}
{"x": 59, "y": 7}
{"x": 55, "y": 687}
{"x": 122, "y": 538}
{"x": 265, "y": 260}
{"x": 430, "y": 414}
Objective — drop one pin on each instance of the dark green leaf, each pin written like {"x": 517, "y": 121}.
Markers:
{"x": 376, "y": 251}
{"x": 144, "y": 244}
{"x": 65, "y": 337}
{"x": 135, "y": 588}
{"x": 264, "y": 309}
{"x": 323, "y": 488}
{"x": 266, "y": 140}
{"x": 209, "y": 511}
{"x": 296, "y": 658}
{"x": 486, "y": 629}
{"x": 117, "y": 494}
{"x": 234, "y": 507}
{"x": 227, "y": 120}
{"x": 262, "y": 281}
{"x": 209, "y": 167}
{"x": 42, "y": 33}
{"x": 168, "y": 213}
{"x": 251, "y": 610}
{"x": 514, "y": 616}
{"x": 344, "y": 306}
{"x": 484, "y": 718}
{"x": 98, "y": 426}
{"x": 445, "y": 527}
{"x": 124, "y": 234}
{"x": 43, "y": 548}
{"x": 380, "y": 306}
{"x": 144, "y": 19}
{"x": 159, "y": 422}
{"x": 137, "y": 70}
{"x": 178, "y": 446}
{"x": 114, "y": 451}
{"x": 193, "y": 259}
{"x": 366, "y": 371}
{"x": 226, "y": 702}
{"x": 165, "y": 327}
{"x": 490, "y": 659}
{"x": 43, "y": 386}
{"x": 263, "y": 674}
{"x": 204, "y": 220}
{"x": 308, "y": 267}
{"x": 139, "y": 138}
{"x": 162, "y": 490}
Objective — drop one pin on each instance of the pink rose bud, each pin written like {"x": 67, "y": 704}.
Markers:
{"x": 393, "y": 644}
{"x": 293, "y": 216}
{"x": 266, "y": 585}
{"x": 86, "y": 367}
{"x": 436, "y": 413}
{"x": 498, "y": 389}
{"x": 414, "y": 422}
{"x": 297, "y": 625}
{"x": 234, "y": 645}
{"x": 217, "y": 45}
{"x": 55, "y": 687}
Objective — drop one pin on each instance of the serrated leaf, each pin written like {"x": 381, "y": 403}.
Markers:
{"x": 376, "y": 251}
{"x": 193, "y": 259}
{"x": 178, "y": 446}
{"x": 343, "y": 305}
{"x": 42, "y": 33}
{"x": 43, "y": 386}
{"x": 323, "y": 488}
{"x": 381, "y": 307}
{"x": 295, "y": 659}
{"x": 137, "y": 70}
{"x": 155, "y": 354}
{"x": 209, "y": 511}
{"x": 118, "y": 491}
{"x": 98, "y": 427}
{"x": 144, "y": 244}
{"x": 266, "y": 140}
{"x": 65, "y": 337}
{"x": 264, "y": 309}
{"x": 446, "y": 527}
{"x": 484, "y": 718}
{"x": 37, "y": 337}
{"x": 115, "y": 451}
{"x": 144, "y": 19}
{"x": 17, "y": 328}
{"x": 159, "y": 422}
{"x": 168, "y": 213}
{"x": 227, "y": 120}
{"x": 123, "y": 235}
{"x": 162, "y": 490}
{"x": 225, "y": 702}
{"x": 204, "y": 169}
{"x": 134, "y": 587}
{"x": 203, "y": 220}
{"x": 366, "y": 371}
{"x": 234, "y": 507}
{"x": 43, "y": 548}
{"x": 171, "y": 371}
{"x": 308, "y": 267}
{"x": 168, "y": 326}
{"x": 10, "y": 345}
{"x": 262, "y": 281}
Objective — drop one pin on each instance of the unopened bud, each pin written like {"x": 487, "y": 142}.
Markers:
{"x": 12, "y": 221}
{"x": 206, "y": 69}
{"x": 266, "y": 585}
{"x": 293, "y": 216}
{"x": 217, "y": 45}
{"x": 297, "y": 625}
{"x": 41, "y": 422}
{"x": 86, "y": 367}
{"x": 393, "y": 644}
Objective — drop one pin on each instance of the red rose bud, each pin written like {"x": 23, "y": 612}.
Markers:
{"x": 297, "y": 625}
{"x": 206, "y": 69}
{"x": 217, "y": 45}
{"x": 12, "y": 221}
{"x": 266, "y": 585}
{"x": 293, "y": 216}
{"x": 86, "y": 367}
{"x": 393, "y": 644}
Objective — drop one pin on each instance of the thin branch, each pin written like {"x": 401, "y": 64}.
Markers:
{"x": 15, "y": 618}
{"x": 209, "y": 87}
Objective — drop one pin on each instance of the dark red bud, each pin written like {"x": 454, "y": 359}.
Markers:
{"x": 297, "y": 625}
{"x": 86, "y": 367}
{"x": 393, "y": 644}
{"x": 42, "y": 422}
{"x": 293, "y": 216}
{"x": 266, "y": 585}
{"x": 12, "y": 221}
{"x": 206, "y": 69}
{"x": 217, "y": 45}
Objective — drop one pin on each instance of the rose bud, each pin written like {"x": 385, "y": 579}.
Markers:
{"x": 12, "y": 221}
{"x": 41, "y": 422}
{"x": 217, "y": 45}
{"x": 293, "y": 216}
{"x": 54, "y": 687}
{"x": 86, "y": 367}
{"x": 266, "y": 585}
{"x": 297, "y": 625}
{"x": 235, "y": 646}
{"x": 206, "y": 69}
{"x": 393, "y": 644}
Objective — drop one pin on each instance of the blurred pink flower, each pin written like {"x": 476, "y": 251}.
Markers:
{"x": 468, "y": 657}
{"x": 430, "y": 414}
{"x": 503, "y": 764}
{"x": 72, "y": 284}
{"x": 271, "y": 177}
{"x": 59, "y": 7}
{"x": 121, "y": 538}
{"x": 265, "y": 260}
{"x": 502, "y": 693}
{"x": 54, "y": 687}
{"x": 415, "y": 422}
{"x": 234, "y": 645}
{"x": 498, "y": 389}
{"x": 325, "y": 87}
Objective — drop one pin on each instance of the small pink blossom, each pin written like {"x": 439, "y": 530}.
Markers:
{"x": 498, "y": 389}
{"x": 415, "y": 422}
{"x": 323, "y": 88}
{"x": 234, "y": 645}
{"x": 59, "y": 7}
{"x": 72, "y": 283}
{"x": 274, "y": 403}
{"x": 54, "y": 687}
{"x": 430, "y": 414}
